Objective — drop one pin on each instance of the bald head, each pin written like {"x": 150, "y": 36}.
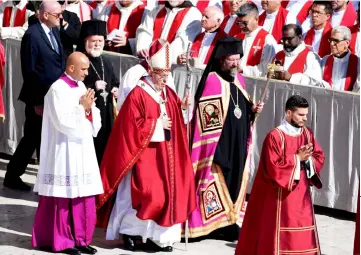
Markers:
{"x": 77, "y": 66}
{"x": 50, "y": 13}
{"x": 212, "y": 18}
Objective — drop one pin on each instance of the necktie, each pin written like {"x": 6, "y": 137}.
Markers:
{"x": 53, "y": 41}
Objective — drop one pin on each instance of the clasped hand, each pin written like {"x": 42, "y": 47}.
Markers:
{"x": 305, "y": 151}
{"x": 87, "y": 100}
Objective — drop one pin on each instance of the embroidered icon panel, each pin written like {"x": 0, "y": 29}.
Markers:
{"x": 211, "y": 115}
{"x": 211, "y": 202}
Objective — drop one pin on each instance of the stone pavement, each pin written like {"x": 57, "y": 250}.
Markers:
{"x": 17, "y": 211}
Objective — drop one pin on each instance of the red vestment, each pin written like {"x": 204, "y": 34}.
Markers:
{"x": 235, "y": 29}
{"x": 20, "y": 17}
{"x": 279, "y": 22}
{"x": 279, "y": 217}
{"x": 324, "y": 48}
{"x": 163, "y": 186}
{"x": 354, "y": 31}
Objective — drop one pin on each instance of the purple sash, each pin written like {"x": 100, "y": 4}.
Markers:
{"x": 70, "y": 82}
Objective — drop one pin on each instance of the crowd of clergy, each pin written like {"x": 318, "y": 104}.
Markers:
{"x": 326, "y": 45}
{"x": 117, "y": 154}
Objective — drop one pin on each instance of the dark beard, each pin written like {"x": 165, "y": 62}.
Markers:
{"x": 289, "y": 48}
{"x": 294, "y": 124}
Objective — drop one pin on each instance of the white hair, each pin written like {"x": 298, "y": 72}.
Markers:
{"x": 344, "y": 31}
{"x": 218, "y": 13}
{"x": 94, "y": 51}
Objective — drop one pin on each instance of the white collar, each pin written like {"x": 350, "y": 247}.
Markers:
{"x": 296, "y": 51}
{"x": 319, "y": 30}
{"x": 342, "y": 12}
{"x": 130, "y": 7}
{"x": 45, "y": 27}
{"x": 288, "y": 128}
{"x": 272, "y": 15}
{"x": 254, "y": 33}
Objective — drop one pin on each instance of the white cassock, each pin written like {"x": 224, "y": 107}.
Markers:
{"x": 294, "y": 7}
{"x": 130, "y": 80}
{"x": 339, "y": 71}
{"x": 98, "y": 10}
{"x": 125, "y": 12}
{"x": 203, "y": 51}
{"x": 268, "y": 53}
{"x": 337, "y": 18}
{"x": 187, "y": 32}
{"x": 123, "y": 219}
{"x": 14, "y": 31}
{"x": 82, "y": 9}
{"x": 68, "y": 166}
{"x": 357, "y": 47}
{"x": 271, "y": 17}
{"x": 312, "y": 74}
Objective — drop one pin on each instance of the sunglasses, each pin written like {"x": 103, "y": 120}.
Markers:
{"x": 242, "y": 23}
{"x": 288, "y": 39}
{"x": 55, "y": 15}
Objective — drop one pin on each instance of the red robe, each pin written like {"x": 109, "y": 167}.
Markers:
{"x": 279, "y": 215}
{"x": 2, "y": 80}
{"x": 162, "y": 186}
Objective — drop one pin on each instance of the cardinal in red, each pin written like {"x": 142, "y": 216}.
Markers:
{"x": 279, "y": 217}
{"x": 147, "y": 175}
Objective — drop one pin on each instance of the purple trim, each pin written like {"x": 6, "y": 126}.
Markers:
{"x": 70, "y": 82}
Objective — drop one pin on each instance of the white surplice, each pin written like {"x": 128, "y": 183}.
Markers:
{"x": 125, "y": 14}
{"x": 268, "y": 53}
{"x": 187, "y": 32}
{"x": 68, "y": 166}
{"x": 271, "y": 18}
{"x": 339, "y": 71}
{"x": 99, "y": 9}
{"x": 337, "y": 18}
{"x": 312, "y": 74}
{"x": 82, "y": 9}
{"x": 11, "y": 31}
{"x": 230, "y": 22}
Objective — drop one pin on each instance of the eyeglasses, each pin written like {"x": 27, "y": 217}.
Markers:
{"x": 56, "y": 15}
{"x": 242, "y": 23}
{"x": 317, "y": 13}
{"x": 336, "y": 41}
{"x": 284, "y": 39}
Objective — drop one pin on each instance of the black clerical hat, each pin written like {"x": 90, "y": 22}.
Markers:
{"x": 88, "y": 28}
{"x": 228, "y": 46}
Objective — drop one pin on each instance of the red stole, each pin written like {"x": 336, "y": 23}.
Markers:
{"x": 197, "y": 44}
{"x": 235, "y": 30}
{"x": 177, "y": 22}
{"x": 298, "y": 65}
{"x": 303, "y": 13}
{"x": 225, "y": 7}
{"x": 349, "y": 16}
{"x": 324, "y": 44}
{"x": 135, "y": 19}
{"x": 202, "y": 5}
{"x": 351, "y": 74}
{"x": 20, "y": 17}
{"x": 278, "y": 24}
{"x": 354, "y": 31}
{"x": 255, "y": 53}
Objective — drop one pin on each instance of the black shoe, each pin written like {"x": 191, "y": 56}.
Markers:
{"x": 16, "y": 183}
{"x": 167, "y": 249}
{"x": 87, "y": 249}
{"x": 129, "y": 242}
{"x": 71, "y": 251}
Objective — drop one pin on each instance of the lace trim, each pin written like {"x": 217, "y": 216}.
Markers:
{"x": 64, "y": 180}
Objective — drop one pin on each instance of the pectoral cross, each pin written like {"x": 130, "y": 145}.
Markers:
{"x": 256, "y": 48}
{"x": 104, "y": 95}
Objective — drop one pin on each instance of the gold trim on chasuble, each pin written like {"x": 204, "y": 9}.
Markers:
{"x": 279, "y": 206}
{"x": 215, "y": 200}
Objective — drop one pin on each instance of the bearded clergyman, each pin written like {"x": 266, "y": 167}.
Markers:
{"x": 101, "y": 78}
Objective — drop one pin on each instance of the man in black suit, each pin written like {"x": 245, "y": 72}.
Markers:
{"x": 42, "y": 62}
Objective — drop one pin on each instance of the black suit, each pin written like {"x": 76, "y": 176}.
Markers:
{"x": 41, "y": 66}
{"x": 69, "y": 36}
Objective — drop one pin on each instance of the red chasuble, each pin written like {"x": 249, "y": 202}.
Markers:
{"x": 197, "y": 44}
{"x": 351, "y": 75}
{"x": 162, "y": 186}
{"x": 20, "y": 17}
{"x": 235, "y": 30}
{"x": 177, "y": 22}
{"x": 324, "y": 44}
{"x": 279, "y": 22}
{"x": 279, "y": 217}
{"x": 298, "y": 64}
{"x": 255, "y": 54}
{"x": 202, "y": 5}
